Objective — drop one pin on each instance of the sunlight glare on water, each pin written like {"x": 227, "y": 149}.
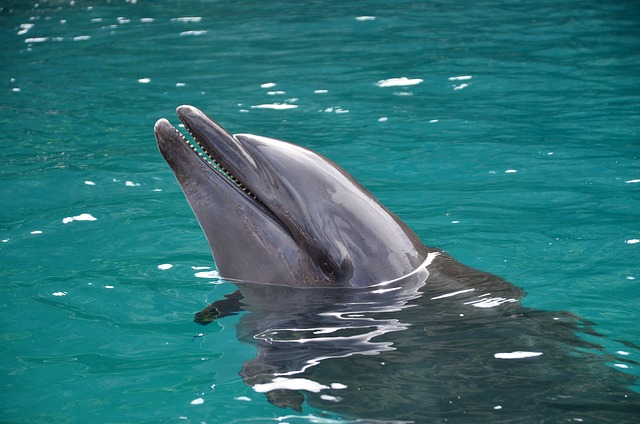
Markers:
{"x": 505, "y": 132}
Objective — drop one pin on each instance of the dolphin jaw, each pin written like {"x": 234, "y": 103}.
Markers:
{"x": 214, "y": 165}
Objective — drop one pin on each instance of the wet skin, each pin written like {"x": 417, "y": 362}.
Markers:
{"x": 349, "y": 310}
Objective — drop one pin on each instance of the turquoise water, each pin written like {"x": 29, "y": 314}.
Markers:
{"x": 513, "y": 145}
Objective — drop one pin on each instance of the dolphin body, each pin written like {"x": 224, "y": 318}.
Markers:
{"x": 350, "y": 312}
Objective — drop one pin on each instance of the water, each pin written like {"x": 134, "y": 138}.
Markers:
{"x": 517, "y": 152}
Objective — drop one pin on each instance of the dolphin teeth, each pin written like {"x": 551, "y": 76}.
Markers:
{"x": 213, "y": 162}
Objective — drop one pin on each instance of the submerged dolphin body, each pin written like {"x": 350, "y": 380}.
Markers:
{"x": 346, "y": 305}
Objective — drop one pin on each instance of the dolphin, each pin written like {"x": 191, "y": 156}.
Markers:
{"x": 351, "y": 312}
{"x": 278, "y": 213}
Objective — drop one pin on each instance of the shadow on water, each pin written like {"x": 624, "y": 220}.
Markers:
{"x": 433, "y": 346}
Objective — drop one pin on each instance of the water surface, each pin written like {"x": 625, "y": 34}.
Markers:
{"x": 513, "y": 144}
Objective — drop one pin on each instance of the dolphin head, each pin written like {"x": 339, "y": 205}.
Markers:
{"x": 274, "y": 212}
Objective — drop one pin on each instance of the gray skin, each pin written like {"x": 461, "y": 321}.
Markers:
{"x": 313, "y": 226}
{"x": 408, "y": 332}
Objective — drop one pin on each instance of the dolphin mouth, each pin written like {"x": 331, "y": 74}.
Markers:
{"x": 204, "y": 151}
{"x": 218, "y": 150}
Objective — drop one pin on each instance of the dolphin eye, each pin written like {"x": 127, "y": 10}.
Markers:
{"x": 327, "y": 269}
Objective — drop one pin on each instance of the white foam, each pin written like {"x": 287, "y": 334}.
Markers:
{"x": 131, "y": 184}
{"x": 81, "y": 38}
{"x": 81, "y": 217}
{"x": 399, "y": 82}
{"x": 280, "y": 383}
{"x": 36, "y": 232}
{"x": 24, "y": 28}
{"x": 460, "y": 87}
{"x": 268, "y": 85}
{"x": 199, "y": 32}
{"x": 60, "y": 293}
{"x": 164, "y": 267}
{"x": 461, "y": 78}
{"x": 335, "y": 109}
{"x": 147, "y": 20}
{"x": 632, "y": 181}
{"x": 36, "y": 40}
{"x": 275, "y": 106}
{"x": 91, "y": 183}
{"x": 632, "y": 241}
{"x": 187, "y": 19}
{"x": 207, "y": 274}
{"x": 365, "y": 18}
{"x": 517, "y": 355}
{"x": 144, "y": 80}
{"x": 198, "y": 401}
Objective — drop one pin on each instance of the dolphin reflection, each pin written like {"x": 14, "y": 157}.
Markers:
{"x": 420, "y": 349}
